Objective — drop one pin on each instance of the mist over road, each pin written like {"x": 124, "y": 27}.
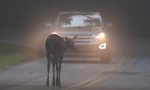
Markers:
{"x": 128, "y": 69}
{"x": 122, "y": 73}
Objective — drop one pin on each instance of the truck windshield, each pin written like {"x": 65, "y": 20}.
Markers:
{"x": 79, "y": 20}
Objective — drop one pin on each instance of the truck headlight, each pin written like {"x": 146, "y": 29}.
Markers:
{"x": 102, "y": 46}
{"x": 54, "y": 33}
{"x": 100, "y": 36}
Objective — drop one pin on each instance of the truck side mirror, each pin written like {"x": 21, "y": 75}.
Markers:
{"x": 49, "y": 24}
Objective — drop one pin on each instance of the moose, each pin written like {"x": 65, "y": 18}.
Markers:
{"x": 55, "y": 47}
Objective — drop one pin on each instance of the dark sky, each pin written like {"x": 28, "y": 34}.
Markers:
{"x": 127, "y": 16}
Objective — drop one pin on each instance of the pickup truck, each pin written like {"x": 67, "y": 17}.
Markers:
{"x": 88, "y": 28}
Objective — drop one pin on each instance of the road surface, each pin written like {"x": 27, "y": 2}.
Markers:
{"x": 129, "y": 69}
{"x": 124, "y": 72}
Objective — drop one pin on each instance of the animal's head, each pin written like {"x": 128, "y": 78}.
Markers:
{"x": 70, "y": 44}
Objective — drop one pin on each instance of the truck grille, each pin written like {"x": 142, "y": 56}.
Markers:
{"x": 85, "y": 40}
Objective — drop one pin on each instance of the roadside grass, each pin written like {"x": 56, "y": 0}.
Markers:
{"x": 13, "y": 54}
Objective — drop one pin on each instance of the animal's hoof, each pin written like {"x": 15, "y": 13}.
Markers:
{"x": 47, "y": 83}
{"x": 58, "y": 84}
{"x": 53, "y": 84}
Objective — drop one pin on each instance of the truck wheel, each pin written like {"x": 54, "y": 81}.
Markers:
{"x": 105, "y": 59}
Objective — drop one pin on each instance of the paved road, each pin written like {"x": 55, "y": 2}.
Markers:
{"x": 129, "y": 69}
{"x": 124, "y": 72}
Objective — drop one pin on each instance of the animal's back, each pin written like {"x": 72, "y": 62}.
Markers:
{"x": 55, "y": 44}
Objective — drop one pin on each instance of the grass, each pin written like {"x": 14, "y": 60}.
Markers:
{"x": 12, "y": 55}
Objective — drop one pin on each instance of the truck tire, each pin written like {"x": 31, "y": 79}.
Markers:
{"x": 105, "y": 59}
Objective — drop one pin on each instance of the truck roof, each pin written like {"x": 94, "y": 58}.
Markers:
{"x": 76, "y": 12}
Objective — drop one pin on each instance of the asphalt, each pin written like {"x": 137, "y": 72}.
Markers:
{"x": 124, "y": 72}
{"x": 129, "y": 69}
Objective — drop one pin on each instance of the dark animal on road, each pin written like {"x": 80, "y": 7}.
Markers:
{"x": 55, "y": 47}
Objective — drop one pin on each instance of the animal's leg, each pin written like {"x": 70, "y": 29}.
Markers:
{"x": 53, "y": 81}
{"x": 57, "y": 78}
{"x": 59, "y": 71}
{"x": 48, "y": 68}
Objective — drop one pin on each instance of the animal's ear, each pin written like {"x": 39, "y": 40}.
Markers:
{"x": 74, "y": 38}
{"x": 66, "y": 38}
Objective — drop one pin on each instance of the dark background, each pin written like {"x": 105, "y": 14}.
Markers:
{"x": 129, "y": 17}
